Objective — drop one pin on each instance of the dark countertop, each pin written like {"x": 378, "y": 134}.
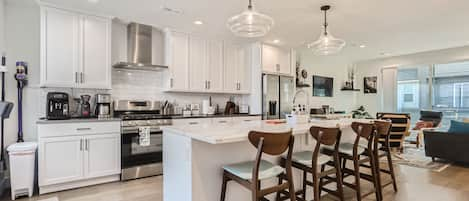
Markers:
{"x": 76, "y": 120}
{"x": 208, "y": 116}
{"x": 81, "y": 120}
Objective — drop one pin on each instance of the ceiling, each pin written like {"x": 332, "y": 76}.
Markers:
{"x": 393, "y": 27}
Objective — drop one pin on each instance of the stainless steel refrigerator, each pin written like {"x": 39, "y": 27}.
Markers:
{"x": 277, "y": 96}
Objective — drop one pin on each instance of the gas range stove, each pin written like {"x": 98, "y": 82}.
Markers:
{"x": 141, "y": 159}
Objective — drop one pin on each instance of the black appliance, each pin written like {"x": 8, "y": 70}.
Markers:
{"x": 85, "y": 106}
{"x": 57, "y": 106}
{"x": 141, "y": 160}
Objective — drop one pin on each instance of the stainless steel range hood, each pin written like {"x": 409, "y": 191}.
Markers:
{"x": 139, "y": 49}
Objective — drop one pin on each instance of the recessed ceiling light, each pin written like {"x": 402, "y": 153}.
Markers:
{"x": 93, "y": 1}
{"x": 198, "y": 22}
{"x": 276, "y": 41}
{"x": 362, "y": 46}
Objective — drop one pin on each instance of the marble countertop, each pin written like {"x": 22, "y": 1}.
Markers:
{"x": 76, "y": 120}
{"x": 219, "y": 133}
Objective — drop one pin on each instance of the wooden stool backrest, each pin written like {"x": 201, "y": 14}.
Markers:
{"x": 326, "y": 136}
{"x": 364, "y": 130}
{"x": 272, "y": 143}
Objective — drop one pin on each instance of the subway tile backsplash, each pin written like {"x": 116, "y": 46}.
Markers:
{"x": 150, "y": 85}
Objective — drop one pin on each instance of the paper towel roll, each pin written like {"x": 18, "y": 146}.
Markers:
{"x": 205, "y": 106}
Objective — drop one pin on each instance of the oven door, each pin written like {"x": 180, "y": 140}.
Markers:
{"x": 134, "y": 154}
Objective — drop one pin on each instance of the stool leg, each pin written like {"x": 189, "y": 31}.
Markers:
{"x": 374, "y": 175}
{"x": 305, "y": 175}
{"x": 223, "y": 187}
{"x": 316, "y": 192}
{"x": 338, "y": 174}
{"x": 277, "y": 195}
{"x": 323, "y": 167}
{"x": 356, "y": 168}
{"x": 391, "y": 169}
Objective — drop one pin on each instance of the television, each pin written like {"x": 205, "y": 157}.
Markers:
{"x": 323, "y": 86}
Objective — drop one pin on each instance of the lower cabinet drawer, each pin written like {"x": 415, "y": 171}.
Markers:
{"x": 68, "y": 129}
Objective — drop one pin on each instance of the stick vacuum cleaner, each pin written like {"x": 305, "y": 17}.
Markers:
{"x": 21, "y": 79}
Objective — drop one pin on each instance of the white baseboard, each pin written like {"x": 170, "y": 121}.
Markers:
{"x": 77, "y": 184}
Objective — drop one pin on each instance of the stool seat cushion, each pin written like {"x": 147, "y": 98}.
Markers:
{"x": 244, "y": 170}
{"x": 305, "y": 158}
{"x": 347, "y": 148}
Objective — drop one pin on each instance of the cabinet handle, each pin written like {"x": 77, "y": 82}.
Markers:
{"x": 83, "y": 129}
{"x": 206, "y": 85}
{"x": 278, "y": 67}
{"x": 81, "y": 144}
{"x": 193, "y": 123}
{"x": 222, "y": 122}
{"x": 208, "y": 82}
{"x": 76, "y": 77}
{"x": 82, "y": 77}
{"x": 87, "y": 144}
{"x": 171, "y": 82}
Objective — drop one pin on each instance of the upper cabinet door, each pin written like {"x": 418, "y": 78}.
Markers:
{"x": 231, "y": 67}
{"x": 284, "y": 64}
{"x": 215, "y": 66}
{"x": 244, "y": 73}
{"x": 276, "y": 60}
{"x": 178, "y": 61}
{"x": 95, "y": 67}
{"x": 198, "y": 64}
{"x": 269, "y": 58}
{"x": 59, "y": 48}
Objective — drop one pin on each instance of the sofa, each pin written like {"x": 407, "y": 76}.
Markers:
{"x": 445, "y": 145}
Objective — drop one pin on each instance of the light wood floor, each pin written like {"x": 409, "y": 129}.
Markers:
{"x": 415, "y": 184}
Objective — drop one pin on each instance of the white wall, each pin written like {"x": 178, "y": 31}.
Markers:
{"x": 329, "y": 66}
{"x": 2, "y": 26}
{"x": 373, "y": 68}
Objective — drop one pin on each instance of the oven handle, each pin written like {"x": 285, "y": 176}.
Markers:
{"x": 135, "y": 132}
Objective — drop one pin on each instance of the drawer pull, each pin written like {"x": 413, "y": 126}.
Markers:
{"x": 83, "y": 129}
{"x": 222, "y": 122}
{"x": 193, "y": 123}
{"x": 247, "y": 120}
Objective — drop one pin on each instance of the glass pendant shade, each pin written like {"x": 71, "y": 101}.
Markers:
{"x": 326, "y": 44}
{"x": 250, "y": 24}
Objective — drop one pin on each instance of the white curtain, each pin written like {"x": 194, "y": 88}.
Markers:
{"x": 389, "y": 89}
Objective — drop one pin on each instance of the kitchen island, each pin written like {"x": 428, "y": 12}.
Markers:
{"x": 193, "y": 156}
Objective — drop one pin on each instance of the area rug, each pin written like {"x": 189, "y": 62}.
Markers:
{"x": 415, "y": 157}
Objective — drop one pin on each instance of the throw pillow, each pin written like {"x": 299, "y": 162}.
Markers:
{"x": 458, "y": 127}
{"x": 423, "y": 124}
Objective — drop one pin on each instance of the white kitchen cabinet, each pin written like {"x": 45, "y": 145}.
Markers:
{"x": 215, "y": 66}
{"x": 198, "y": 65}
{"x": 178, "y": 60}
{"x": 60, "y": 160}
{"x": 96, "y": 69}
{"x": 237, "y": 73}
{"x": 102, "y": 155}
{"x": 59, "y": 47}
{"x": 74, "y": 155}
{"x": 75, "y": 49}
{"x": 275, "y": 60}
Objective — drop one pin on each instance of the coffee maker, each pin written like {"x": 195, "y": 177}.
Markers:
{"x": 85, "y": 106}
{"x": 103, "y": 105}
{"x": 57, "y": 106}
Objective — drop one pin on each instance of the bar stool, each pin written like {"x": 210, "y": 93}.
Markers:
{"x": 314, "y": 162}
{"x": 360, "y": 152}
{"x": 249, "y": 174}
{"x": 382, "y": 149}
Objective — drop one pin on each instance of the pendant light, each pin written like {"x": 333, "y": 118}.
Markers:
{"x": 250, "y": 23}
{"x": 326, "y": 44}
